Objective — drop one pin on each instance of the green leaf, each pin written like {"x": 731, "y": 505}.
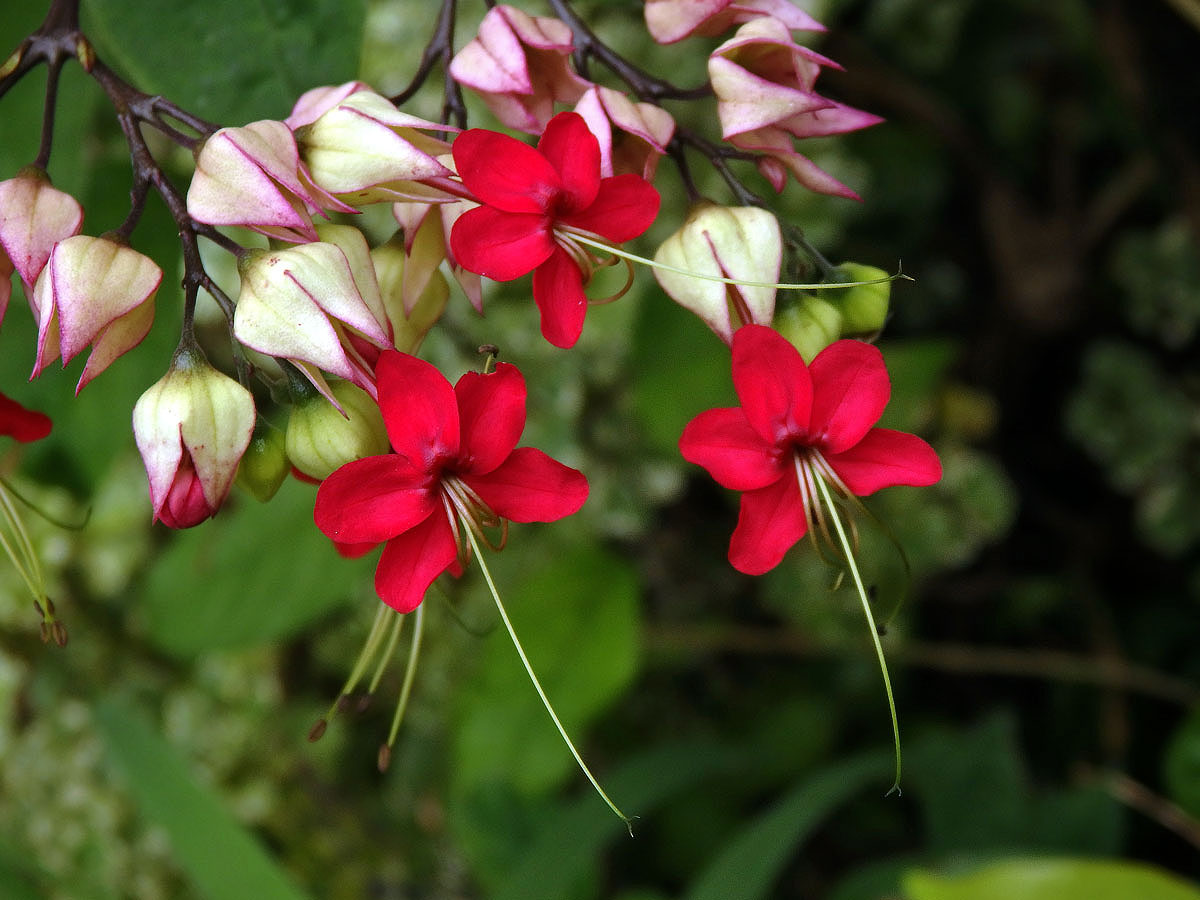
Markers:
{"x": 753, "y": 860}
{"x": 1051, "y": 879}
{"x": 570, "y": 841}
{"x": 260, "y": 573}
{"x": 16, "y": 882}
{"x": 577, "y": 619}
{"x": 679, "y": 369}
{"x": 1182, "y": 765}
{"x": 971, "y": 786}
{"x": 225, "y": 60}
{"x": 223, "y": 860}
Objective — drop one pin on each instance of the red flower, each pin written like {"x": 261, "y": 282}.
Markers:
{"x": 796, "y": 424}
{"x": 531, "y": 202}
{"x": 23, "y": 424}
{"x": 454, "y": 463}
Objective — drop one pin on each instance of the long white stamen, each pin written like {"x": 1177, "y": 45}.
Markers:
{"x": 654, "y": 264}
{"x": 862, "y": 594}
{"x": 512, "y": 634}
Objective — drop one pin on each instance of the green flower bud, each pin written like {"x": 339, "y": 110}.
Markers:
{"x": 264, "y": 465}
{"x": 864, "y": 309}
{"x": 320, "y": 439}
{"x": 810, "y": 325}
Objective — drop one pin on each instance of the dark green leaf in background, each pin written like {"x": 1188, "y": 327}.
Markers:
{"x": 225, "y": 60}
{"x": 258, "y": 573}
{"x": 222, "y": 859}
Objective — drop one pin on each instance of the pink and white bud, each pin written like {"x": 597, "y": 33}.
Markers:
{"x": 192, "y": 428}
{"x": 319, "y": 100}
{"x": 632, "y": 136}
{"x": 299, "y": 304}
{"x": 34, "y": 216}
{"x": 252, "y": 176}
{"x": 93, "y": 290}
{"x": 364, "y": 150}
{"x": 765, "y": 87}
{"x": 669, "y": 21}
{"x": 519, "y": 64}
{"x": 742, "y": 243}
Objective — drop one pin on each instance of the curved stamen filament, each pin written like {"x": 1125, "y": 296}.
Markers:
{"x": 512, "y": 634}
{"x": 410, "y": 673}
{"x": 590, "y": 241}
{"x": 462, "y": 503}
{"x": 862, "y": 595}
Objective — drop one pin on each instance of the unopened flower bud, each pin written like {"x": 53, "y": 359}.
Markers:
{"x": 34, "y": 216}
{"x": 864, "y": 309}
{"x": 93, "y": 290}
{"x": 264, "y": 465}
{"x": 320, "y": 439}
{"x": 742, "y": 243}
{"x": 393, "y": 268}
{"x": 810, "y": 326}
{"x": 191, "y": 429}
{"x": 364, "y": 150}
{"x": 296, "y": 302}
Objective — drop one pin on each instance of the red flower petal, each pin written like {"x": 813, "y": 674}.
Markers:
{"x": 850, "y": 390}
{"x": 504, "y": 172}
{"x": 419, "y": 409}
{"x": 569, "y": 145}
{"x": 772, "y": 382}
{"x": 500, "y": 245}
{"x": 531, "y": 487}
{"x": 734, "y": 454}
{"x": 558, "y": 291}
{"x": 885, "y": 458}
{"x": 372, "y": 500}
{"x": 23, "y": 424}
{"x": 409, "y": 563}
{"x": 624, "y": 207}
{"x": 491, "y": 412}
{"x": 770, "y": 522}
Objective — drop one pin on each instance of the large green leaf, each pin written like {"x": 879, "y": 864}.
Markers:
{"x": 15, "y": 880}
{"x": 221, "y": 858}
{"x": 260, "y": 573}
{"x": 753, "y": 860}
{"x": 229, "y": 61}
{"x": 572, "y": 840}
{"x": 577, "y": 619}
{"x": 1052, "y": 879}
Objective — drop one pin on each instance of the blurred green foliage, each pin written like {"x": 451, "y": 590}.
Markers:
{"x": 1036, "y": 176}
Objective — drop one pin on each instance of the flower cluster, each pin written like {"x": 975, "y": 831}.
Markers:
{"x": 329, "y": 324}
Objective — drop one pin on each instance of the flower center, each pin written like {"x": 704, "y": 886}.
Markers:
{"x": 463, "y": 505}
{"x": 811, "y": 467}
{"x": 587, "y": 258}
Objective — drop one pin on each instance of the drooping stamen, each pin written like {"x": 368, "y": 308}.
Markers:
{"x": 15, "y": 540}
{"x": 410, "y": 672}
{"x": 379, "y": 628}
{"x": 866, "y": 605}
{"x": 512, "y": 635}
